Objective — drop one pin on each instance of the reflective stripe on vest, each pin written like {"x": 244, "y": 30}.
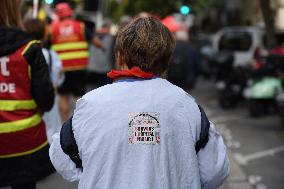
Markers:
{"x": 73, "y": 55}
{"x": 25, "y": 50}
{"x": 13, "y": 126}
{"x": 12, "y": 105}
{"x": 70, "y": 46}
{"x": 29, "y": 45}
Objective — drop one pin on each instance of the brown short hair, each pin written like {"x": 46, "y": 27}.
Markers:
{"x": 10, "y": 15}
{"x": 145, "y": 42}
{"x": 35, "y": 27}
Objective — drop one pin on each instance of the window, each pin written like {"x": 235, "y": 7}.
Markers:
{"x": 235, "y": 41}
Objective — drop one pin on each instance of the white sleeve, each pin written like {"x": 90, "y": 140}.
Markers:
{"x": 57, "y": 69}
{"x": 213, "y": 161}
{"x": 61, "y": 162}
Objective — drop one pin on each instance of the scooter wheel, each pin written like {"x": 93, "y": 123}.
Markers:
{"x": 227, "y": 100}
{"x": 281, "y": 114}
{"x": 256, "y": 109}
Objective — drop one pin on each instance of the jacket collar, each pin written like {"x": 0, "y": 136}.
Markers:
{"x": 12, "y": 39}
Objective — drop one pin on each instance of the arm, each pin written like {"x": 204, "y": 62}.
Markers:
{"x": 42, "y": 89}
{"x": 193, "y": 66}
{"x": 61, "y": 161}
{"x": 98, "y": 43}
{"x": 57, "y": 69}
{"x": 213, "y": 161}
{"x": 93, "y": 39}
{"x": 197, "y": 63}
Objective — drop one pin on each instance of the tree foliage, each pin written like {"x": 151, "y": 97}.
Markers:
{"x": 269, "y": 22}
{"x": 133, "y": 7}
{"x": 161, "y": 7}
{"x": 203, "y": 7}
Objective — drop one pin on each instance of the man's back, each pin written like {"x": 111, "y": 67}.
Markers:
{"x": 102, "y": 61}
{"x": 114, "y": 161}
{"x": 185, "y": 65}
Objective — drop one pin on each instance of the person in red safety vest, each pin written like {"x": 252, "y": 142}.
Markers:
{"x": 69, "y": 38}
{"x": 25, "y": 93}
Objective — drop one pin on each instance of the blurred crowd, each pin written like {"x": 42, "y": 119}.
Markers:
{"x": 97, "y": 56}
{"x": 64, "y": 58}
{"x": 75, "y": 56}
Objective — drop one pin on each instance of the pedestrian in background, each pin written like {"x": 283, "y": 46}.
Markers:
{"x": 39, "y": 30}
{"x": 185, "y": 66}
{"x": 101, "y": 61}
{"x": 69, "y": 38}
{"x": 25, "y": 93}
{"x": 124, "y": 20}
{"x": 141, "y": 131}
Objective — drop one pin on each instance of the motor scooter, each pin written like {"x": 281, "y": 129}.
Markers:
{"x": 280, "y": 103}
{"x": 263, "y": 87}
{"x": 230, "y": 80}
{"x": 278, "y": 53}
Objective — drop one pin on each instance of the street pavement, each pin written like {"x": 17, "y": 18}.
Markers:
{"x": 255, "y": 146}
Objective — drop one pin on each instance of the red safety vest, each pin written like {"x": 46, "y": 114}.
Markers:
{"x": 22, "y": 130}
{"x": 68, "y": 40}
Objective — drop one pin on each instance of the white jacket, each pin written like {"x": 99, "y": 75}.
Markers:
{"x": 56, "y": 74}
{"x": 52, "y": 118}
{"x": 141, "y": 134}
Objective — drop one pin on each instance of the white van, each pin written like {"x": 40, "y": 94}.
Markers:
{"x": 242, "y": 41}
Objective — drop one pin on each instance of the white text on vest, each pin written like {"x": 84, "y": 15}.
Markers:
{"x": 6, "y": 87}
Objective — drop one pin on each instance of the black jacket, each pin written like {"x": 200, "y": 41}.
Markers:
{"x": 11, "y": 39}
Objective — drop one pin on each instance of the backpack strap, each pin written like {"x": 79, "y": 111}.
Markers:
{"x": 204, "y": 131}
{"x": 68, "y": 143}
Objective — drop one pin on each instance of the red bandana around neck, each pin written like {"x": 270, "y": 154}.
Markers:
{"x": 133, "y": 72}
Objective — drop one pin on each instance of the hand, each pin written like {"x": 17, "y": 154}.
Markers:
{"x": 98, "y": 43}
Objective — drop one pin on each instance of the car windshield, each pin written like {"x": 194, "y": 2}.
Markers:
{"x": 235, "y": 41}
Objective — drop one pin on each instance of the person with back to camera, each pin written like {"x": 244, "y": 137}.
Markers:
{"x": 69, "y": 38}
{"x": 25, "y": 93}
{"x": 141, "y": 131}
{"x": 185, "y": 65}
{"x": 101, "y": 62}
